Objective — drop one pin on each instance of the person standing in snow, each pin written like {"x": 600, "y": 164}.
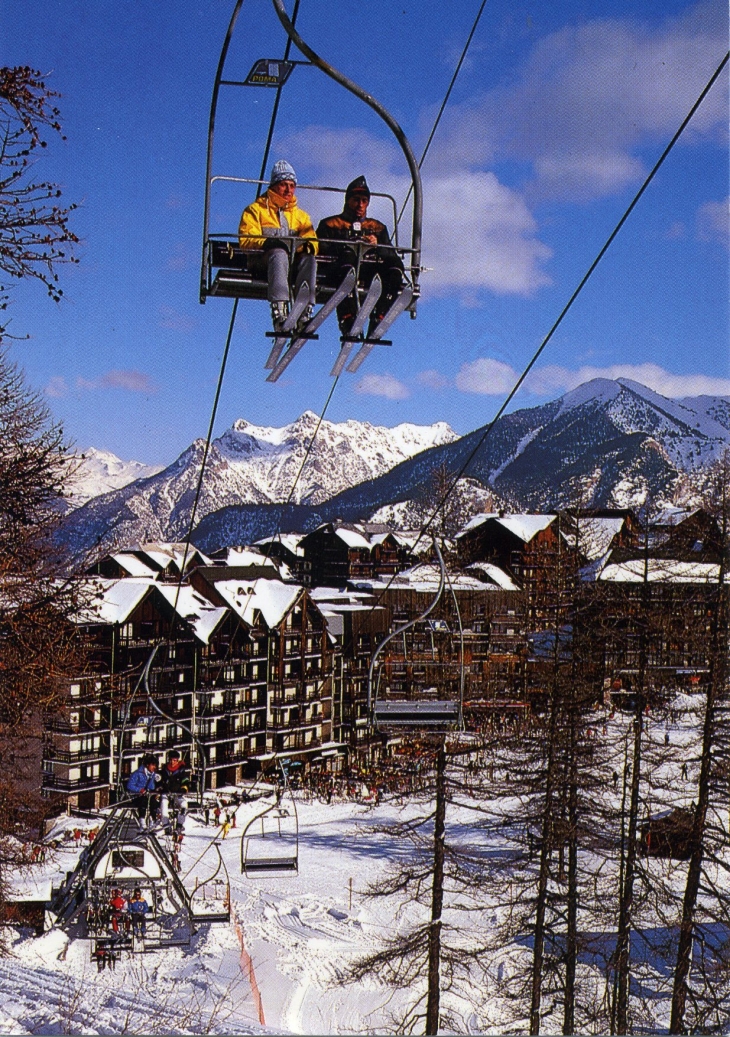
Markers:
{"x": 275, "y": 224}
{"x": 353, "y": 225}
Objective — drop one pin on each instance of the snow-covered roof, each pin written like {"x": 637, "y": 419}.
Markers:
{"x": 112, "y": 600}
{"x": 661, "y": 570}
{"x": 417, "y": 542}
{"x": 336, "y": 595}
{"x": 288, "y": 540}
{"x": 164, "y": 554}
{"x": 272, "y": 598}
{"x": 202, "y": 616}
{"x": 424, "y": 578}
{"x": 477, "y": 520}
{"x": 670, "y": 515}
{"x": 242, "y": 556}
{"x": 492, "y": 572}
{"x": 132, "y": 564}
{"x": 523, "y": 526}
{"x": 595, "y": 536}
{"x": 352, "y": 537}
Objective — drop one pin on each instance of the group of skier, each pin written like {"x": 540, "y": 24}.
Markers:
{"x": 350, "y": 240}
{"x": 147, "y": 786}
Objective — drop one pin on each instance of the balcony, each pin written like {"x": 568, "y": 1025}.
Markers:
{"x": 55, "y": 783}
{"x": 76, "y": 755}
{"x": 64, "y": 725}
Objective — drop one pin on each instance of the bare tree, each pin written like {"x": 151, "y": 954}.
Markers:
{"x": 34, "y": 231}
{"x": 38, "y": 649}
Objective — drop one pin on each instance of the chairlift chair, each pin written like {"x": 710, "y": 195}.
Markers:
{"x": 232, "y": 272}
{"x": 270, "y": 840}
{"x": 424, "y": 715}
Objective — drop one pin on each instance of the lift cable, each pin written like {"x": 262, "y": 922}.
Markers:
{"x": 571, "y": 300}
{"x": 425, "y": 527}
{"x": 445, "y": 101}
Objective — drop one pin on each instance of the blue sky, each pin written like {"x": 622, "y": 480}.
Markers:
{"x": 559, "y": 112}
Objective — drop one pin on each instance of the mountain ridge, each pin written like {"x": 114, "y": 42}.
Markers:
{"x": 604, "y": 444}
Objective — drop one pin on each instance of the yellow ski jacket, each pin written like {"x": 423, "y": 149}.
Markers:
{"x": 267, "y": 212}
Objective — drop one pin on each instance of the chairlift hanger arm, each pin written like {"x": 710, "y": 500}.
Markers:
{"x": 384, "y": 114}
{"x": 408, "y": 625}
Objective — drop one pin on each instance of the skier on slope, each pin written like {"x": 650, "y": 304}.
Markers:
{"x": 353, "y": 225}
{"x": 270, "y": 223}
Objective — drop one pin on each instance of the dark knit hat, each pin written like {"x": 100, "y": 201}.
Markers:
{"x": 358, "y": 186}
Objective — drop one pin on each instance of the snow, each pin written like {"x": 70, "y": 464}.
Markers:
{"x": 193, "y": 608}
{"x": 526, "y": 526}
{"x": 279, "y": 966}
{"x": 100, "y": 471}
{"x": 271, "y": 598}
{"x": 113, "y": 600}
{"x": 492, "y": 572}
{"x": 353, "y": 538}
{"x": 661, "y": 570}
{"x": 243, "y": 556}
{"x": 133, "y": 565}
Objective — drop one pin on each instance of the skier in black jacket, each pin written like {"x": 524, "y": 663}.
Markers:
{"x": 354, "y": 225}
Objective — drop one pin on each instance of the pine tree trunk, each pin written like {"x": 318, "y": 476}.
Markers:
{"x": 623, "y": 935}
{"x": 572, "y": 917}
{"x": 717, "y": 688}
{"x": 437, "y": 900}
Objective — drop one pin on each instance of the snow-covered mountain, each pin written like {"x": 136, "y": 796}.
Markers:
{"x": 605, "y": 444}
{"x": 253, "y": 466}
{"x": 99, "y": 471}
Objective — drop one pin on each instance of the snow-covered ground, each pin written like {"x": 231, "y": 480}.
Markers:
{"x": 279, "y": 965}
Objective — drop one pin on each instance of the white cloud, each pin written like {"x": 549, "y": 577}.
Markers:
{"x": 487, "y": 377}
{"x": 57, "y": 387}
{"x": 477, "y": 233}
{"x": 713, "y": 221}
{"x": 588, "y": 96}
{"x": 129, "y": 380}
{"x": 382, "y": 385}
{"x": 553, "y": 379}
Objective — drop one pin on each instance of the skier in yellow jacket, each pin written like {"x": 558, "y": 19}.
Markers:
{"x": 270, "y": 223}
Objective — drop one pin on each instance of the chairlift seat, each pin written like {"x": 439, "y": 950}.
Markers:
{"x": 433, "y": 715}
{"x": 270, "y": 864}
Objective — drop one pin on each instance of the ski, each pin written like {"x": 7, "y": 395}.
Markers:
{"x": 282, "y": 336}
{"x": 399, "y": 305}
{"x": 340, "y": 293}
{"x": 348, "y": 341}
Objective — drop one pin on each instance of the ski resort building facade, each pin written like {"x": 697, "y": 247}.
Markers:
{"x": 239, "y": 662}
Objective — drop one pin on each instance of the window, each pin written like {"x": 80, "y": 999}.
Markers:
{"x": 181, "y": 678}
{"x": 76, "y": 690}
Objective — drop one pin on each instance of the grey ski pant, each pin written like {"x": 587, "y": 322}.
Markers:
{"x": 304, "y": 267}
